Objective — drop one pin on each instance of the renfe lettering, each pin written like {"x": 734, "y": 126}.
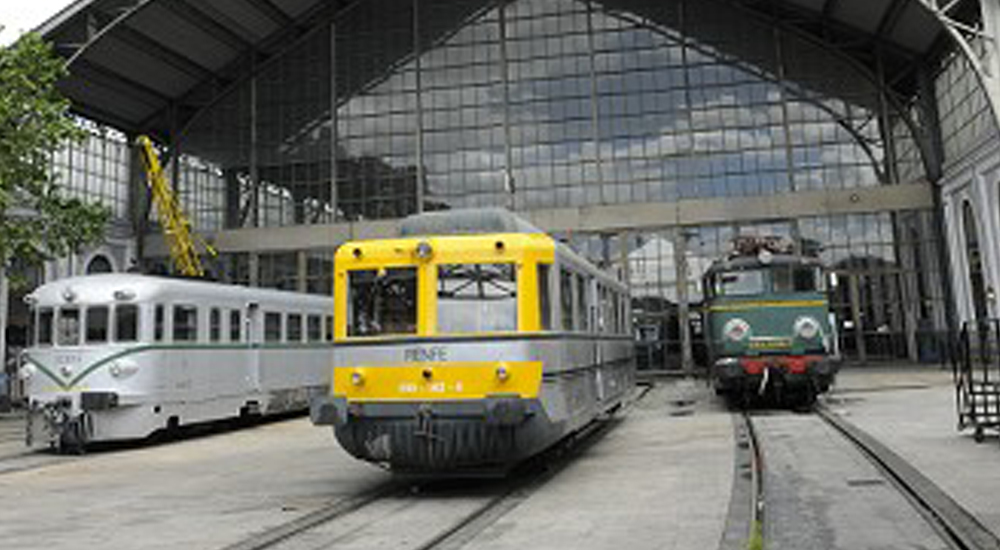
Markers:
{"x": 425, "y": 354}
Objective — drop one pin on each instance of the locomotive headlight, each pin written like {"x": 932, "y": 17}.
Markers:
{"x": 357, "y": 378}
{"x": 502, "y": 373}
{"x": 424, "y": 250}
{"x": 27, "y": 371}
{"x": 115, "y": 369}
{"x": 736, "y": 329}
{"x": 806, "y": 327}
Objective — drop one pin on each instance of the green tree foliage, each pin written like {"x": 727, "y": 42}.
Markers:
{"x": 36, "y": 221}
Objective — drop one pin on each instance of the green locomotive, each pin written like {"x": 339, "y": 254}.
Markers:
{"x": 768, "y": 323}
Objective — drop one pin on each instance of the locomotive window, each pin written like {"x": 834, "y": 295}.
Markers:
{"x": 159, "y": 320}
{"x": 68, "y": 326}
{"x": 214, "y": 325}
{"x": 185, "y": 323}
{"x": 566, "y": 299}
{"x": 272, "y": 327}
{"x": 740, "y": 283}
{"x": 235, "y": 321}
{"x": 584, "y": 299}
{"x": 544, "y": 300}
{"x": 314, "y": 329}
{"x": 477, "y": 298}
{"x": 45, "y": 317}
{"x": 329, "y": 328}
{"x": 126, "y": 323}
{"x": 795, "y": 279}
{"x": 294, "y": 327}
{"x": 382, "y": 302}
{"x": 97, "y": 325}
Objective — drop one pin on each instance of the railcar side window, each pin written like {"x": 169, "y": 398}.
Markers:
{"x": 544, "y": 300}
{"x": 214, "y": 325}
{"x": 477, "y": 298}
{"x": 329, "y": 328}
{"x": 68, "y": 326}
{"x": 185, "y": 323}
{"x": 382, "y": 302}
{"x": 584, "y": 299}
{"x": 235, "y": 322}
{"x": 97, "y": 325}
{"x": 314, "y": 328}
{"x": 294, "y": 327}
{"x": 45, "y": 317}
{"x": 126, "y": 323}
{"x": 566, "y": 299}
{"x": 159, "y": 322}
{"x": 272, "y": 327}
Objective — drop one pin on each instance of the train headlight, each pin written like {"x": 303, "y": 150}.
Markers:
{"x": 736, "y": 329}
{"x": 357, "y": 378}
{"x": 115, "y": 369}
{"x": 27, "y": 371}
{"x": 424, "y": 250}
{"x": 502, "y": 373}
{"x": 806, "y": 327}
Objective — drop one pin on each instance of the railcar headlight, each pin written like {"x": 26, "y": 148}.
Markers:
{"x": 357, "y": 378}
{"x": 502, "y": 373}
{"x": 115, "y": 369}
{"x": 736, "y": 329}
{"x": 806, "y": 327}
{"x": 27, "y": 371}
{"x": 424, "y": 250}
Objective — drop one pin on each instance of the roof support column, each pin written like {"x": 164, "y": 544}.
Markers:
{"x": 334, "y": 134}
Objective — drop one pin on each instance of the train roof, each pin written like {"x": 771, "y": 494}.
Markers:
{"x": 89, "y": 289}
{"x": 468, "y": 221}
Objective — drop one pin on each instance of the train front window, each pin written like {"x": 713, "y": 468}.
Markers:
{"x": 477, "y": 298}
{"x": 45, "y": 318}
{"x": 382, "y": 302}
{"x": 740, "y": 283}
{"x": 97, "y": 325}
{"x": 68, "y": 326}
{"x": 796, "y": 279}
{"x": 126, "y": 323}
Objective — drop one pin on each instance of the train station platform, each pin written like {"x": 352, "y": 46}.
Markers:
{"x": 911, "y": 410}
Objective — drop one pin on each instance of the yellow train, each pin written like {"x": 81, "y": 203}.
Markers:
{"x": 471, "y": 342}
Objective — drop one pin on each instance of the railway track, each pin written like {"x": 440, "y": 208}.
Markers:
{"x": 450, "y": 513}
{"x": 956, "y": 528}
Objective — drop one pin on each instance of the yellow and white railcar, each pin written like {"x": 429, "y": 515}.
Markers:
{"x": 119, "y": 356}
{"x": 471, "y": 343}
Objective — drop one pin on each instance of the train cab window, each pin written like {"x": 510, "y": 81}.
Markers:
{"x": 214, "y": 325}
{"x": 68, "y": 326}
{"x": 235, "y": 322}
{"x": 272, "y": 327}
{"x": 159, "y": 322}
{"x": 294, "y": 327}
{"x": 795, "y": 279}
{"x": 44, "y": 334}
{"x": 739, "y": 283}
{"x": 477, "y": 298}
{"x": 582, "y": 295}
{"x": 329, "y": 328}
{"x": 544, "y": 300}
{"x": 126, "y": 323}
{"x": 566, "y": 299}
{"x": 185, "y": 323}
{"x": 96, "y": 327}
{"x": 382, "y": 301}
{"x": 314, "y": 328}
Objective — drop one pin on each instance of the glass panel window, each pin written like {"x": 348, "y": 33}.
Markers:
{"x": 566, "y": 299}
{"x": 294, "y": 327}
{"x": 477, "y": 298}
{"x": 382, "y": 302}
{"x": 235, "y": 322}
{"x": 159, "y": 322}
{"x": 68, "y": 326}
{"x": 584, "y": 303}
{"x": 97, "y": 325}
{"x": 740, "y": 283}
{"x": 314, "y": 328}
{"x": 185, "y": 323}
{"x": 45, "y": 317}
{"x": 214, "y": 325}
{"x": 329, "y": 328}
{"x": 272, "y": 327}
{"x": 795, "y": 279}
{"x": 544, "y": 300}
{"x": 126, "y": 323}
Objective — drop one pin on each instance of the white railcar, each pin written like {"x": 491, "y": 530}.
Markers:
{"x": 120, "y": 356}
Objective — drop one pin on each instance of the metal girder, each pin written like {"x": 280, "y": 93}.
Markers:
{"x": 977, "y": 44}
{"x": 112, "y": 80}
{"x": 201, "y": 18}
{"x": 161, "y": 52}
{"x": 272, "y": 12}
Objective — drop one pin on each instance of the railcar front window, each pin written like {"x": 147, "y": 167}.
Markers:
{"x": 97, "y": 325}
{"x": 185, "y": 323}
{"x": 68, "y": 326}
{"x": 382, "y": 302}
{"x": 740, "y": 283}
{"x": 45, "y": 317}
{"x": 126, "y": 323}
{"x": 477, "y": 298}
